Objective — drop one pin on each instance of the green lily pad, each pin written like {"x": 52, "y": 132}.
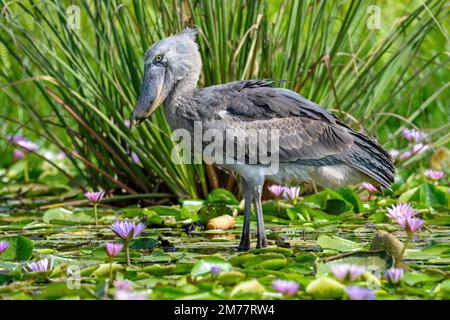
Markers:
{"x": 60, "y": 290}
{"x": 257, "y": 259}
{"x": 212, "y": 211}
{"x": 221, "y": 196}
{"x": 144, "y": 243}
{"x": 166, "y": 211}
{"x": 191, "y": 207}
{"x": 329, "y": 201}
{"x": 64, "y": 216}
{"x": 204, "y": 266}
{"x": 414, "y": 278}
{"x": 350, "y": 196}
{"x": 250, "y": 286}
{"x": 158, "y": 256}
{"x": 272, "y": 264}
{"x": 159, "y": 270}
{"x": 336, "y": 243}
{"x": 426, "y": 194}
{"x": 230, "y": 277}
{"x": 325, "y": 288}
{"x": 20, "y": 248}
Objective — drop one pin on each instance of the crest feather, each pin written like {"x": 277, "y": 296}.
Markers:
{"x": 190, "y": 32}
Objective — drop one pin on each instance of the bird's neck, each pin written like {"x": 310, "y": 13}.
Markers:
{"x": 184, "y": 86}
{"x": 178, "y": 98}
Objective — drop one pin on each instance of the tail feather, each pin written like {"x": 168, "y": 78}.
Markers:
{"x": 371, "y": 159}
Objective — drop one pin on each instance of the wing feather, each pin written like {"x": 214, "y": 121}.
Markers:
{"x": 308, "y": 133}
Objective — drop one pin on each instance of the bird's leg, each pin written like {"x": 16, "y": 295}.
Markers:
{"x": 244, "y": 244}
{"x": 262, "y": 239}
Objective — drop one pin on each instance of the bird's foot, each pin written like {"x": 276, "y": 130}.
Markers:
{"x": 261, "y": 243}
{"x": 244, "y": 246}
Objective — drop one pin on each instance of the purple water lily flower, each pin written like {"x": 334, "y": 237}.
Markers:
{"x": 27, "y": 145}
{"x": 122, "y": 285}
{"x": 135, "y": 158}
{"x": 286, "y": 287}
{"x": 61, "y": 155}
{"x": 401, "y": 210}
{"x": 291, "y": 193}
{"x": 124, "y": 291}
{"x": 358, "y": 293}
{"x": 419, "y": 148}
{"x": 347, "y": 272}
{"x": 407, "y": 134}
{"x": 403, "y": 214}
{"x": 277, "y": 190}
{"x": 410, "y": 225}
{"x": 413, "y": 135}
{"x": 434, "y": 174}
{"x": 43, "y": 265}
{"x": 126, "y": 229}
{"x": 15, "y": 138}
{"x": 3, "y": 246}
{"x": 369, "y": 187}
{"x": 129, "y": 295}
{"x": 394, "y": 275}
{"x": 18, "y": 154}
{"x": 113, "y": 249}
{"x": 405, "y": 155}
{"x": 215, "y": 270}
{"x": 127, "y": 123}
{"x": 94, "y": 197}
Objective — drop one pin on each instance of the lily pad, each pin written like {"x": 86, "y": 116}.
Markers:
{"x": 330, "y": 202}
{"x": 352, "y": 198}
{"x": 248, "y": 287}
{"x": 426, "y": 194}
{"x": 336, "y": 243}
{"x": 64, "y": 216}
{"x": 221, "y": 196}
{"x": 60, "y": 290}
{"x": 20, "y": 248}
{"x": 212, "y": 211}
{"x": 414, "y": 278}
{"x": 204, "y": 266}
{"x": 325, "y": 288}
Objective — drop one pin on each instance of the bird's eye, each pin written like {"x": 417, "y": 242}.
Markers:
{"x": 158, "y": 58}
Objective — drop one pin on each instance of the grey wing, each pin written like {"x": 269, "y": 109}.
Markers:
{"x": 300, "y": 138}
{"x": 308, "y": 134}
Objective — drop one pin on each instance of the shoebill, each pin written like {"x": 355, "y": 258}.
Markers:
{"x": 313, "y": 145}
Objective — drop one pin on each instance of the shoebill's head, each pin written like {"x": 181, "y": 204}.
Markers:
{"x": 173, "y": 63}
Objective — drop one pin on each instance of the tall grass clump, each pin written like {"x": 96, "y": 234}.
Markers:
{"x": 88, "y": 78}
